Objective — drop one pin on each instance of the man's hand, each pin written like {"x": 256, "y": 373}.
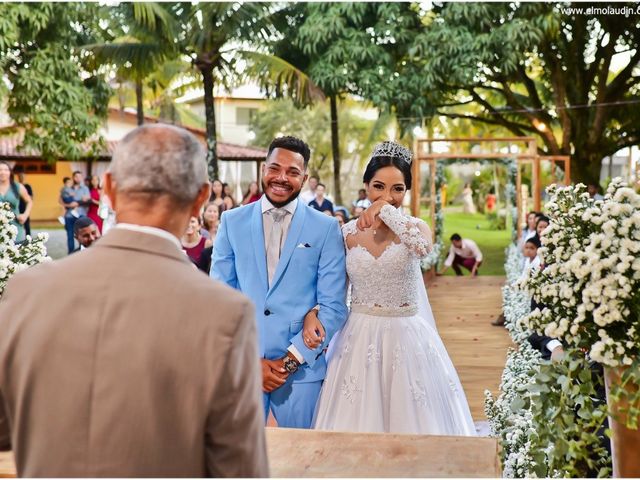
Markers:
{"x": 474, "y": 270}
{"x": 369, "y": 217}
{"x": 21, "y": 218}
{"x": 273, "y": 374}
{"x": 558, "y": 354}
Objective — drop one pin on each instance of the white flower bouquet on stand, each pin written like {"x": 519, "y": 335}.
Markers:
{"x": 14, "y": 258}
{"x": 591, "y": 282}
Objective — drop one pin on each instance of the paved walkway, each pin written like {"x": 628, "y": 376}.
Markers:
{"x": 57, "y": 243}
{"x": 464, "y": 309}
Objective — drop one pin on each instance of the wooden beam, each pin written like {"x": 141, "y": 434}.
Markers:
{"x": 314, "y": 453}
{"x": 480, "y": 156}
{"x": 519, "y": 199}
{"x": 432, "y": 203}
{"x": 296, "y": 453}
{"x": 7, "y": 466}
{"x": 477, "y": 140}
{"x": 417, "y": 184}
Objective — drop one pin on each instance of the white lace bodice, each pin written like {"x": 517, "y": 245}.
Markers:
{"x": 386, "y": 285}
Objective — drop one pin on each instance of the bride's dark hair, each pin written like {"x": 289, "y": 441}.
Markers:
{"x": 378, "y": 162}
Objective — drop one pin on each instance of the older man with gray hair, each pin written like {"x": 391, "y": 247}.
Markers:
{"x": 147, "y": 369}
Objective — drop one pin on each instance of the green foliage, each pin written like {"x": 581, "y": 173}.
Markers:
{"x": 353, "y": 47}
{"x": 310, "y": 123}
{"x": 497, "y": 221}
{"x": 569, "y": 411}
{"x": 523, "y": 66}
{"x": 40, "y": 58}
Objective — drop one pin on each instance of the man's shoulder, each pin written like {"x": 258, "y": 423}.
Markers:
{"x": 240, "y": 213}
{"x": 468, "y": 241}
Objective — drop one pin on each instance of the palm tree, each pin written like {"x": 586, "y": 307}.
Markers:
{"x": 209, "y": 31}
{"x": 145, "y": 43}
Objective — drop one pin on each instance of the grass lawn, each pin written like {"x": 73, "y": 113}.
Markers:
{"x": 492, "y": 243}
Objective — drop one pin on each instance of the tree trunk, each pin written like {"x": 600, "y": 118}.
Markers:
{"x": 335, "y": 149}
{"x": 210, "y": 115}
{"x": 139, "y": 106}
{"x": 585, "y": 166}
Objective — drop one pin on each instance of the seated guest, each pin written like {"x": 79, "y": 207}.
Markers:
{"x": 86, "y": 232}
{"x": 320, "y": 202}
{"x": 361, "y": 202}
{"x": 531, "y": 258}
{"x": 210, "y": 222}
{"x": 357, "y": 212}
{"x": 465, "y": 253}
{"x": 542, "y": 222}
{"x": 147, "y": 370}
{"x": 530, "y": 230}
{"x": 193, "y": 242}
{"x": 253, "y": 194}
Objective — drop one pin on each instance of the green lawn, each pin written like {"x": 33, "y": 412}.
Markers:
{"x": 492, "y": 243}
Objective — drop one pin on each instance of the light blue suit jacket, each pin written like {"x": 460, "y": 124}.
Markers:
{"x": 311, "y": 271}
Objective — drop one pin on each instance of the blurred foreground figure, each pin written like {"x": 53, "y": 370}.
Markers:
{"x": 148, "y": 369}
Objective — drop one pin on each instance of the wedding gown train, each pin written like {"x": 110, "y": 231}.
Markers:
{"x": 388, "y": 368}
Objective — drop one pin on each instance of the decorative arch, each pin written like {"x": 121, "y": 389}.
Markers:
{"x": 521, "y": 151}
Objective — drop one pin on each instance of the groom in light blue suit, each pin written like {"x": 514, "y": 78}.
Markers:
{"x": 288, "y": 258}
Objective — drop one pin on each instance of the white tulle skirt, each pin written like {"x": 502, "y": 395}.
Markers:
{"x": 391, "y": 374}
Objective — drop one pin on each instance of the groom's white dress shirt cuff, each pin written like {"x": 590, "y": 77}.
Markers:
{"x": 294, "y": 351}
{"x": 551, "y": 346}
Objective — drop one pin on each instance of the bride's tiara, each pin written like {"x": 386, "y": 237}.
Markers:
{"x": 392, "y": 149}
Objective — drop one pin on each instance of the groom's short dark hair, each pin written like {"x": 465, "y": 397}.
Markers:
{"x": 292, "y": 144}
{"x": 455, "y": 236}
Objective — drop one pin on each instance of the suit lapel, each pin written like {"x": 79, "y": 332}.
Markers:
{"x": 295, "y": 229}
{"x": 257, "y": 238}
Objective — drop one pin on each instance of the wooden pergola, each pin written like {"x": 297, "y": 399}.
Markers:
{"x": 523, "y": 150}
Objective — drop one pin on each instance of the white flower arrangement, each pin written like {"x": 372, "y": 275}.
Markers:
{"x": 14, "y": 258}
{"x": 509, "y": 420}
{"x": 591, "y": 283}
{"x": 432, "y": 259}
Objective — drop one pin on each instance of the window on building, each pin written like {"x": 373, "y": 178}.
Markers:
{"x": 244, "y": 115}
{"x": 34, "y": 166}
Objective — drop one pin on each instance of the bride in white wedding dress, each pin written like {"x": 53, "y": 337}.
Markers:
{"x": 388, "y": 368}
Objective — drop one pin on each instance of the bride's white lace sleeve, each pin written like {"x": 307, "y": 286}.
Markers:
{"x": 413, "y": 232}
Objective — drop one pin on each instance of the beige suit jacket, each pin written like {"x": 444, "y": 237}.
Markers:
{"x": 124, "y": 360}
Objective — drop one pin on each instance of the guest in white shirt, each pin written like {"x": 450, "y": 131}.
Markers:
{"x": 531, "y": 259}
{"x": 463, "y": 253}
{"x": 309, "y": 194}
{"x": 530, "y": 230}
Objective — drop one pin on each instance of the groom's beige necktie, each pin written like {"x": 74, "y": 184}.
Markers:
{"x": 274, "y": 244}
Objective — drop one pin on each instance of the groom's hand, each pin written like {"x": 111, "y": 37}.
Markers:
{"x": 273, "y": 374}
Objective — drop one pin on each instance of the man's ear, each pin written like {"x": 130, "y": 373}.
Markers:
{"x": 203, "y": 196}
{"x": 109, "y": 188}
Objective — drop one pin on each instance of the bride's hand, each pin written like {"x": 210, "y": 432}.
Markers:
{"x": 313, "y": 333}
{"x": 369, "y": 217}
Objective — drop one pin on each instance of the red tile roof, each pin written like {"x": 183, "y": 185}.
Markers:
{"x": 9, "y": 144}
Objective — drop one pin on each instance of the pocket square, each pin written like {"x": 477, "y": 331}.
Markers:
{"x": 303, "y": 245}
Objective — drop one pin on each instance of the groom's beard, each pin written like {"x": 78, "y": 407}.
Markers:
{"x": 291, "y": 198}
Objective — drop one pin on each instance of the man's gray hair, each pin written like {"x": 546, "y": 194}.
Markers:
{"x": 160, "y": 159}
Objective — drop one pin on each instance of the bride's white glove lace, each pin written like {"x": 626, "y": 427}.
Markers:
{"x": 413, "y": 232}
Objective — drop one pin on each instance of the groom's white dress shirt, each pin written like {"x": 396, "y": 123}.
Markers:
{"x": 267, "y": 225}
